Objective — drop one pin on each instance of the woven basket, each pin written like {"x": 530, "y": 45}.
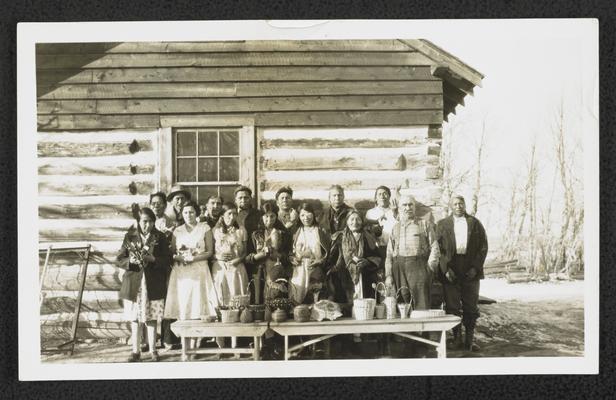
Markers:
{"x": 363, "y": 309}
{"x": 229, "y": 316}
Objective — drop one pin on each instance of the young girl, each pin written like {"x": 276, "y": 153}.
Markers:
{"x": 145, "y": 257}
{"x": 230, "y": 243}
{"x": 269, "y": 242}
{"x": 191, "y": 292}
{"x": 310, "y": 252}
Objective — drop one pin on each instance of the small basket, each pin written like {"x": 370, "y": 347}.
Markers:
{"x": 363, "y": 309}
{"x": 229, "y": 316}
{"x": 379, "y": 309}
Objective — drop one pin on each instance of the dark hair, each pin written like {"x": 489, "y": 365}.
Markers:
{"x": 309, "y": 208}
{"x": 242, "y": 189}
{"x": 270, "y": 206}
{"x": 215, "y": 196}
{"x": 337, "y": 187}
{"x": 385, "y": 188}
{"x": 194, "y": 205}
{"x": 284, "y": 189}
{"x": 221, "y": 221}
{"x": 145, "y": 211}
{"x": 159, "y": 194}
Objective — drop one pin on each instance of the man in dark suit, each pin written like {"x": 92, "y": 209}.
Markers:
{"x": 248, "y": 218}
{"x": 464, "y": 246}
{"x": 334, "y": 218}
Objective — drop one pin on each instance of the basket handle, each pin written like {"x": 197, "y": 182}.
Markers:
{"x": 376, "y": 290}
{"x": 404, "y": 287}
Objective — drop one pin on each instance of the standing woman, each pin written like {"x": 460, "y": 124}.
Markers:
{"x": 269, "y": 243}
{"x": 145, "y": 256}
{"x": 191, "y": 292}
{"x": 357, "y": 263}
{"x": 230, "y": 244}
{"x": 309, "y": 254}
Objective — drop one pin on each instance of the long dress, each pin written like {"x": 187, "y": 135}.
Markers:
{"x": 229, "y": 280}
{"x": 191, "y": 293}
{"x": 307, "y": 249}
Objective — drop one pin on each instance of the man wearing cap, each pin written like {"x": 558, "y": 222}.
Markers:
{"x": 412, "y": 255}
{"x": 334, "y": 218}
{"x": 176, "y": 199}
{"x": 464, "y": 246}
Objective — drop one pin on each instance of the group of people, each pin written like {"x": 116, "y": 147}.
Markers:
{"x": 183, "y": 260}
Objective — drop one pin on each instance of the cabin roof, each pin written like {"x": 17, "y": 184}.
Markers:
{"x": 68, "y": 75}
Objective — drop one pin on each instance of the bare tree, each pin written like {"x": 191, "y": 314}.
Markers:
{"x": 477, "y": 188}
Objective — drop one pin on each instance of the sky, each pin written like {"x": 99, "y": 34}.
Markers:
{"x": 528, "y": 74}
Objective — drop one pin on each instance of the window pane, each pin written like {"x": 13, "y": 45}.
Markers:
{"x": 186, "y": 170}
{"x": 208, "y": 169}
{"x": 186, "y": 144}
{"x": 205, "y": 192}
{"x": 207, "y": 143}
{"x": 229, "y": 143}
{"x": 230, "y": 169}
{"x": 227, "y": 193}
{"x": 193, "y": 192}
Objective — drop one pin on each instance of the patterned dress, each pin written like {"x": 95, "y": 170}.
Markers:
{"x": 191, "y": 293}
{"x": 142, "y": 309}
{"x": 229, "y": 280}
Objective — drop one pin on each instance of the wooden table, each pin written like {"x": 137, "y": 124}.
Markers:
{"x": 189, "y": 329}
{"x": 399, "y": 326}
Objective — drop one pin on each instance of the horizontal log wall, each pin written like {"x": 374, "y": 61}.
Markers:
{"x": 306, "y": 83}
{"x": 88, "y": 183}
{"x": 311, "y": 160}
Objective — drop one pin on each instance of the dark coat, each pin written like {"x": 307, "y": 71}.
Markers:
{"x": 332, "y": 221}
{"x": 155, "y": 272}
{"x": 476, "y": 244}
{"x": 249, "y": 220}
{"x": 340, "y": 274}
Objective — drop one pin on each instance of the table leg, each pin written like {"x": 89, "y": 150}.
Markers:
{"x": 234, "y": 345}
{"x": 257, "y": 348}
{"x": 442, "y": 347}
{"x": 286, "y": 348}
{"x": 185, "y": 344}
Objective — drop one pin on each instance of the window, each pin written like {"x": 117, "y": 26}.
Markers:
{"x": 209, "y": 161}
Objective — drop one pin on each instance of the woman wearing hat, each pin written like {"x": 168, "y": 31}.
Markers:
{"x": 176, "y": 199}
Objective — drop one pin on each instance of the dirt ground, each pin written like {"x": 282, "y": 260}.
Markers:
{"x": 528, "y": 319}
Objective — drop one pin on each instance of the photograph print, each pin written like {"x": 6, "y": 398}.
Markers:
{"x": 207, "y": 202}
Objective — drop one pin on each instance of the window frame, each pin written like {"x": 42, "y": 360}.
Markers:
{"x": 167, "y": 158}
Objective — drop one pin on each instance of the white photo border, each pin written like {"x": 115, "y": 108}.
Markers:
{"x": 28, "y": 34}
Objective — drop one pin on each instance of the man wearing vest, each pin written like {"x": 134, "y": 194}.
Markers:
{"x": 464, "y": 246}
{"x": 412, "y": 255}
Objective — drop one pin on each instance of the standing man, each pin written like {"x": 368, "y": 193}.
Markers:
{"x": 176, "y": 199}
{"x": 286, "y": 213}
{"x": 166, "y": 225}
{"x": 248, "y": 218}
{"x": 334, "y": 218}
{"x": 464, "y": 246}
{"x": 158, "y": 204}
{"x": 213, "y": 210}
{"x": 381, "y": 219}
{"x": 412, "y": 255}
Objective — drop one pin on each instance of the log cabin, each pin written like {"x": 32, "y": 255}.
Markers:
{"x": 118, "y": 121}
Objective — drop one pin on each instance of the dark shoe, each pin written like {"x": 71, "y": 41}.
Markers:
{"x": 155, "y": 356}
{"x": 134, "y": 357}
{"x": 456, "y": 342}
{"x": 468, "y": 340}
{"x": 145, "y": 348}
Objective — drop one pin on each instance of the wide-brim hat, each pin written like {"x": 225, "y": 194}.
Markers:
{"x": 175, "y": 190}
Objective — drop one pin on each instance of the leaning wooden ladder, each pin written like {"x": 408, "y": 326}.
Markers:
{"x": 63, "y": 348}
